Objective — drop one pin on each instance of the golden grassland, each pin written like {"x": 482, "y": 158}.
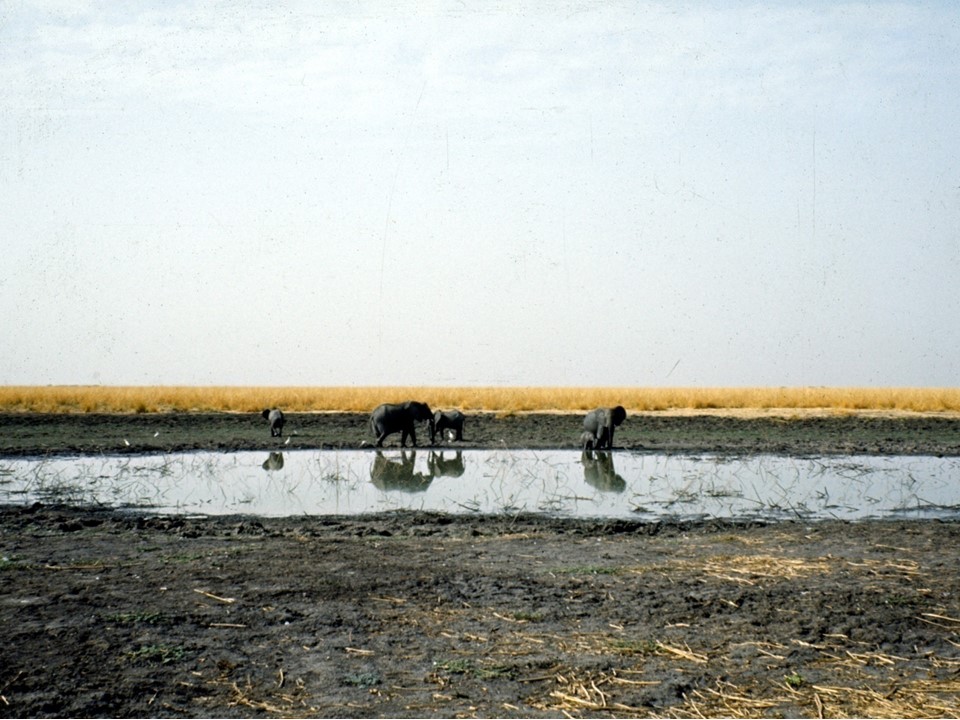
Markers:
{"x": 501, "y": 400}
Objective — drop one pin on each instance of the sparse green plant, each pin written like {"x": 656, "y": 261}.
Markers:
{"x": 157, "y": 653}
{"x": 899, "y": 600}
{"x": 362, "y": 679}
{"x": 488, "y": 672}
{"x": 460, "y": 666}
{"x": 794, "y": 680}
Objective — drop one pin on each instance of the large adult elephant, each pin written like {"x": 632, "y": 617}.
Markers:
{"x": 397, "y": 474}
{"x": 448, "y": 420}
{"x": 600, "y": 423}
{"x": 389, "y": 418}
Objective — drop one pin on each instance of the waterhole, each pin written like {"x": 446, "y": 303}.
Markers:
{"x": 556, "y": 483}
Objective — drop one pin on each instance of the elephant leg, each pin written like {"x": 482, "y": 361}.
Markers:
{"x": 603, "y": 437}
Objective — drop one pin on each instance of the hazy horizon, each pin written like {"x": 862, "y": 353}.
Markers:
{"x": 574, "y": 194}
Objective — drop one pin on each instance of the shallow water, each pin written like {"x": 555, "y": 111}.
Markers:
{"x": 558, "y": 483}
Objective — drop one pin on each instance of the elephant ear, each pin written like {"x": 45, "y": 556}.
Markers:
{"x": 619, "y": 415}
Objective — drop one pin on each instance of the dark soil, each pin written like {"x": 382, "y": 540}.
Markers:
{"x": 106, "y": 613}
{"x": 34, "y": 434}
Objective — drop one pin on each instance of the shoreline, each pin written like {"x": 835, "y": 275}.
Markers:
{"x": 44, "y": 434}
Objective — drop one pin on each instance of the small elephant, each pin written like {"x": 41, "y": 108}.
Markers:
{"x": 439, "y": 466}
{"x": 601, "y": 422}
{"x": 276, "y": 420}
{"x": 273, "y": 462}
{"x": 387, "y": 419}
{"x": 449, "y": 419}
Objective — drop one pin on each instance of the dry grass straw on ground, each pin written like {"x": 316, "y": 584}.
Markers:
{"x": 614, "y": 673}
{"x": 838, "y": 677}
{"x": 501, "y": 400}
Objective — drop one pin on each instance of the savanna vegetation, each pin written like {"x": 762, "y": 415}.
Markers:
{"x": 502, "y": 400}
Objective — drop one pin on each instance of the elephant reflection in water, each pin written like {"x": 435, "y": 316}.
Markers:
{"x": 598, "y": 472}
{"x": 388, "y": 474}
{"x": 273, "y": 462}
{"x": 440, "y": 466}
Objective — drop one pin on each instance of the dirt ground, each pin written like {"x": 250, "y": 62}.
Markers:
{"x": 113, "y": 614}
{"x": 807, "y": 434}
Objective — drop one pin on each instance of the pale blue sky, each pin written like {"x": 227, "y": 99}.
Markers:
{"x": 574, "y": 193}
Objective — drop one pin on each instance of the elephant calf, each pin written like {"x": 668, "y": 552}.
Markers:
{"x": 600, "y": 423}
{"x": 387, "y": 419}
{"x": 449, "y": 419}
{"x": 276, "y": 420}
{"x": 439, "y": 466}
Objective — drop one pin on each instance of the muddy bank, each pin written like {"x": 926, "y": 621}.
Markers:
{"x": 39, "y": 434}
{"x": 112, "y": 614}
{"x": 410, "y": 615}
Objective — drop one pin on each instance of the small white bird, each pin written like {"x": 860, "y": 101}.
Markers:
{"x": 126, "y": 442}
{"x": 287, "y": 442}
{"x": 156, "y": 433}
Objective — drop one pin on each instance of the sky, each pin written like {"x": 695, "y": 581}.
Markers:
{"x": 496, "y": 193}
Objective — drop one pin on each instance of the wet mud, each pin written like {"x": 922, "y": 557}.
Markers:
{"x": 41, "y": 434}
{"x": 115, "y": 614}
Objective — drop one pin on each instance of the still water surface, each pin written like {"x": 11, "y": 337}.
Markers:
{"x": 558, "y": 483}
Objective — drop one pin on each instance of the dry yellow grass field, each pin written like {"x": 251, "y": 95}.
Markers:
{"x": 501, "y": 400}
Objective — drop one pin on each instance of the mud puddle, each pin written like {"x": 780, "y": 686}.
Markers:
{"x": 558, "y": 483}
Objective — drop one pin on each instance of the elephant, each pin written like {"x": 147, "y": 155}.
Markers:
{"x": 449, "y": 419}
{"x": 387, "y": 474}
{"x": 601, "y": 422}
{"x": 439, "y": 466}
{"x": 273, "y": 462}
{"x": 276, "y": 420}
{"x": 598, "y": 472}
{"x": 387, "y": 419}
